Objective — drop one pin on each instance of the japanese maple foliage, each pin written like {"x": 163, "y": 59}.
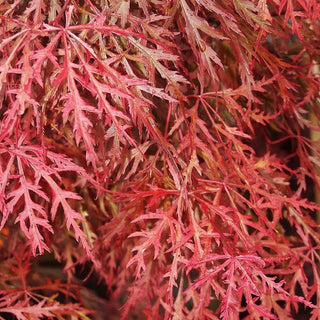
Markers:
{"x": 165, "y": 151}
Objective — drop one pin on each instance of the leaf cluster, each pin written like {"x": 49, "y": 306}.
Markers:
{"x": 169, "y": 148}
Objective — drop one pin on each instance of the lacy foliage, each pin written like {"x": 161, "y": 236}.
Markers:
{"x": 169, "y": 147}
